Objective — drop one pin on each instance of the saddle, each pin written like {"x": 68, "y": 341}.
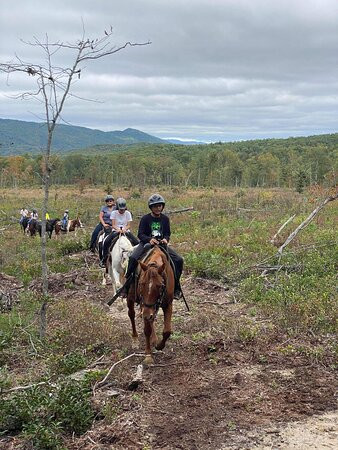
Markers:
{"x": 146, "y": 256}
{"x": 113, "y": 242}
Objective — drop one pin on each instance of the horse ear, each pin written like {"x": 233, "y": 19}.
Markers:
{"x": 161, "y": 269}
{"x": 143, "y": 266}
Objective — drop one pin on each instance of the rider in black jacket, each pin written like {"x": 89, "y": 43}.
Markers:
{"x": 154, "y": 229}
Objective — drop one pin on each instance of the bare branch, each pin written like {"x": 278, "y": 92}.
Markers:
{"x": 281, "y": 228}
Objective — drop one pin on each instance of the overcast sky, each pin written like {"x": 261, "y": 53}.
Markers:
{"x": 215, "y": 70}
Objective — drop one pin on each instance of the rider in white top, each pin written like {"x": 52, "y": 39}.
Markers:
{"x": 23, "y": 213}
{"x": 121, "y": 219}
{"x": 34, "y": 215}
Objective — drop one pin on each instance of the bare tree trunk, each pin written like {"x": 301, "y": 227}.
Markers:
{"x": 54, "y": 84}
{"x": 44, "y": 262}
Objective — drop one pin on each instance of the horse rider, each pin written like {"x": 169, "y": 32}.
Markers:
{"x": 65, "y": 220}
{"x": 121, "y": 219}
{"x": 105, "y": 221}
{"x": 23, "y": 213}
{"x": 33, "y": 216}
{"x": 47, "y": 216}
{"x": 154, "y": 229}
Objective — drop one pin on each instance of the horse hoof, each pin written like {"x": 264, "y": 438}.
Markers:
{"x": 160, "y": 346}
{"x": 148, "y": 360}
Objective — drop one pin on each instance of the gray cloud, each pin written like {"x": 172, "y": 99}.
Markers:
{"x": 216, "y": 70}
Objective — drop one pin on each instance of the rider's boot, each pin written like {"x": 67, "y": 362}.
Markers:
{"x": 177, "y": 290}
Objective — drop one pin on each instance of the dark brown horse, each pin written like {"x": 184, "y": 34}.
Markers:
{"x": 154, "y": 289}
{"x": 50, "y": 226}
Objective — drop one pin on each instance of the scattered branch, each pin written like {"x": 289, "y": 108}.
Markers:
{"x": 23, "y": 388}
{"x": 102, "y": 382}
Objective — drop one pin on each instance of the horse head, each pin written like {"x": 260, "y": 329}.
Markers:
{"x": 151, "y": 288}
{"x": 78, "y": 222}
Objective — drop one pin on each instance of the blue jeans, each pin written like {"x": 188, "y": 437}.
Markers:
{"x": 95, "y": 234}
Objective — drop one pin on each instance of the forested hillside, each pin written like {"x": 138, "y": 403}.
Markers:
{"x": 293, "y": 163}
{"x": 18, "y": 137}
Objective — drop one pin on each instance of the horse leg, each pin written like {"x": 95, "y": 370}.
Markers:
{"x": 116, "y": 278}
{"x": 104, "y": 280}
{"x": 131, "y": 314}
{"x": 148, "y": 332}
{"x": 167, "y": 312}
{"x": 153, "y": 337}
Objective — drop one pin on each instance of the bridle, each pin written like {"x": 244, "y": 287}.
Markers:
{"x": 159, "y": 301}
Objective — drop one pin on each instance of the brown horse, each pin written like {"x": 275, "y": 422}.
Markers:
{"x": 32, "y": 227}
{"x": 73, "y": 225}
{"x": 153, "y": 289}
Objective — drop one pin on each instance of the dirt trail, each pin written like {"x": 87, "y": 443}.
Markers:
{"x": 212, "y": 390}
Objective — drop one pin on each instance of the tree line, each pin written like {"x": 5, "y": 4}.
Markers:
{"x": 292, "y": 163}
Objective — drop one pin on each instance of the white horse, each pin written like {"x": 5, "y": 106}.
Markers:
{"x": 117, "y": 263}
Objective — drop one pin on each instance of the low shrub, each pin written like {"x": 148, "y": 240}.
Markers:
{"x": 68, "y": 246}
{"x": 69, "y": 363}
{"x": 42, "y": 413}
{"x": 79, "y": 325}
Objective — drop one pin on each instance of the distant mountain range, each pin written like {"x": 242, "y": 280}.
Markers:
{"x": 18, "y": 137}
{"x": 177, "y": 141}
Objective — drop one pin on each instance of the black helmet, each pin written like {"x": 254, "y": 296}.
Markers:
{"x": 34, "y": 211}
{"x": 121, "y": 203}
{"x": 108, "y": 197}
{"x": 156, "y": 199}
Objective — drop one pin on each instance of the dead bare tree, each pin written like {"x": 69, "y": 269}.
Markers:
{"x": 53, "y": 87}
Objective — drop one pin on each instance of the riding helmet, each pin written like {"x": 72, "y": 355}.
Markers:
{"x": 67, "y": 211}
{"x": 121, "y": 203}
{"x": 109, "y": 197}
{"x": 156, "y": 199}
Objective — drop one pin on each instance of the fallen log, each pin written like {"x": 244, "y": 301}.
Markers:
{"x": 306, "y": 222}
{"x": 175, "y": 211}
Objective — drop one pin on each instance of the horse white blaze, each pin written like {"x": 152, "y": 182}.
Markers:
{"x": 150, "y": 286}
